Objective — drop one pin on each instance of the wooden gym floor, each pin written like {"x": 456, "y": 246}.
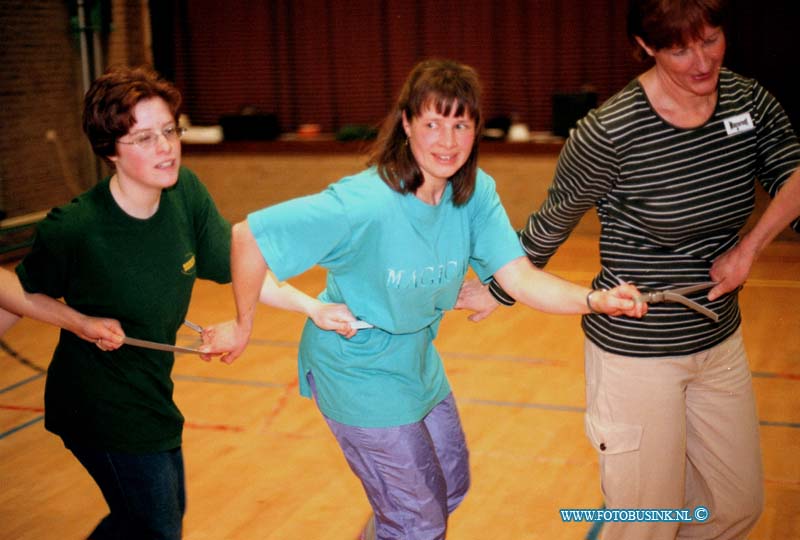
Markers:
{"x": 261, "y": 463}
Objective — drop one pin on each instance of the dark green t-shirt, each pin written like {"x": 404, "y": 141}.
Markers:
{"x": 105, "y": 263}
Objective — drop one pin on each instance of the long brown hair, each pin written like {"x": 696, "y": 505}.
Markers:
{"x": 450, "y": 88}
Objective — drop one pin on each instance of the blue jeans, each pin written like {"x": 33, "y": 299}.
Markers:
{"x": 146, "y": 493}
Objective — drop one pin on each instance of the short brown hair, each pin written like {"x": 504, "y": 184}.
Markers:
{"x": 667, "y": 23}
{"x": 109, "y": 103}
{"x": 451, "y": 88}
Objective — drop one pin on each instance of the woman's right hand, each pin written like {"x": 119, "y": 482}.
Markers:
{"x": 621, "y": 300}
{"x": 107, "y": 334}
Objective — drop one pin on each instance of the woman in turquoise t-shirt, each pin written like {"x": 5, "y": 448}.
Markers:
{"x": 397, "y": 240}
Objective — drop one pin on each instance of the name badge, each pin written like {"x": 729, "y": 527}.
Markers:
{"x": 738, "y": 124}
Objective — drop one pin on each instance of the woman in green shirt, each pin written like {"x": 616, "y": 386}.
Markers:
{"x": 129, "y": 249}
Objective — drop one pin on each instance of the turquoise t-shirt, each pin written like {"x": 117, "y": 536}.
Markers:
{"x": 397, "y": 263}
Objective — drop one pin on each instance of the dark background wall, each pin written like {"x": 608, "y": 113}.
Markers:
{"x": 334, "y": 63}
{"x": 323, "y": 61}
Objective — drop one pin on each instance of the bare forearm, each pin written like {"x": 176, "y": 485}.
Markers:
{"x": 7, "y": 320}
{"x": 12, "y": 300}
{"x": 730, "y": 270}
{"x": 782, "y": 210}
{"x": 282, "y": 295}
{"x": 15, "y": 303}
{"x": 546, "y": 292}
{"x": 327, "y": 316}
{"x": 248, "y": 270}
{"x": 541, "y": 290}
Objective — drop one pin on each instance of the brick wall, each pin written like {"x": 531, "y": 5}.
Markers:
{"x": 44, "y": 156}
{"x": 40, "y": 91}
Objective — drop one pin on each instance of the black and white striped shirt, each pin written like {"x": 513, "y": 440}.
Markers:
{"x": 670, "y": 200}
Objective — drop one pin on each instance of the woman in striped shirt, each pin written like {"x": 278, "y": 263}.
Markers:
{"x": 669, "y": 163}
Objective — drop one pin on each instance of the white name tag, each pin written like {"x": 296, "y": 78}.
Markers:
{"x": 738, "y": 124}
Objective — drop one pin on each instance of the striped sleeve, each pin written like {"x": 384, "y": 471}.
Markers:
{"x": 777, "y": 149}
{"x": 586, "y": 170}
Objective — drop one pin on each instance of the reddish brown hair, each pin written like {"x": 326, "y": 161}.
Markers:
{"x": 109, "y": 103}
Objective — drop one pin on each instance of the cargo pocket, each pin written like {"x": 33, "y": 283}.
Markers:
{"x": 618, "y": 447}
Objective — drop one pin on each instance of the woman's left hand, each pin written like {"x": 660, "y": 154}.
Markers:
{"x": 475, "y": 296}
{"x": 227, "y": 340}
{"x": 730, "y": 270}
{"x": 336, "y": 317}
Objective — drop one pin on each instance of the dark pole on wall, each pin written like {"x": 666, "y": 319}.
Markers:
{"x": 86, "y": 77}
{"x": 91, "y": 59}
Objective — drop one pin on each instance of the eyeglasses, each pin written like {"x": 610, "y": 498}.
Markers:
{"x": 148, "y": 139}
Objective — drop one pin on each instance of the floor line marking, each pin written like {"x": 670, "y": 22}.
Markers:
{"x": 21, "y": 383}
{"x": 21, "y": 426}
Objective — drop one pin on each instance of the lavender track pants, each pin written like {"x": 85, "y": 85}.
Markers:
{"x": 414, "y": 475}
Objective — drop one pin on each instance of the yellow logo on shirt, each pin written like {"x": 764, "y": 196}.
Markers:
{"x": 188, "y": 266}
